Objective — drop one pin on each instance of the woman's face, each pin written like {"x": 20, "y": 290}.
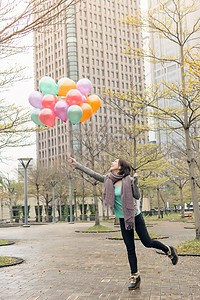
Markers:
{"x": 115, "y": 166}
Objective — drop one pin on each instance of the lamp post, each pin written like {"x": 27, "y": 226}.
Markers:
{"x": 75, "y": 206}
{"x": 25, "y": 163}
{"x": 70, "y": 199}
{"x": 53, "y": 183}
{"x": 11, "y": 190}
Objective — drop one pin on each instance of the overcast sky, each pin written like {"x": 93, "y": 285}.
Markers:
{"x": 18, "y": 94}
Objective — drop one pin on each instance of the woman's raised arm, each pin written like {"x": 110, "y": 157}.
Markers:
{"x": 86, "y": 170}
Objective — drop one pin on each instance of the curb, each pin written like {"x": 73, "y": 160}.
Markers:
{"x": 189, "y": 228}
{"x": 79, "y": 231}
{"x": 17, "y": 262}
{"x": 159, "y": 238}
{"x": 9, "y": 243}
{"x": 181, "y": 254}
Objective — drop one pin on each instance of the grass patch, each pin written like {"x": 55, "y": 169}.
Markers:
{"x": 152, "y": 235}
{"x": 98, "y": 228}
{"x": 189, "y": 247}
{"x": 109, "y": 220}
{"x": 3, "y": 242}
{"x": 171, "y": 217}
{"x": 6, "y": 260}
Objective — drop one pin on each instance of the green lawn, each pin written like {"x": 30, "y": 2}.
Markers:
{"x": 98, "y": 228}
{"x": 189, "y": 247}
{"x": 6, "y": 260}
{"x": 152, "y": 235}
{"x": 3, "y": 242}
{"x": 171, "y": 217}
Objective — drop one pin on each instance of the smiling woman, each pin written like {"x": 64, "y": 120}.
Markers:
{"x": 120, "y": 194}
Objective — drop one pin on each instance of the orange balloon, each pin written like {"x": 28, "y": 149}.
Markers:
{"x": 65, "y": 86}
{"x": 94, "y": 101}
{"x": 87, "y": 112}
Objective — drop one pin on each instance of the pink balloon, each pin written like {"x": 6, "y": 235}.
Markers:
{"x": 60, "y": 110}
{"x": 47, "y": 117}
{"x": 35, "y": 99}
{"x": 74, "y": 97}
{"x": 49, "y": 101}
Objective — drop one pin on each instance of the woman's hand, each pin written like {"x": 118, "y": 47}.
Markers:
{"x": 135, "y": 175}
{"x": 72, "y": 161}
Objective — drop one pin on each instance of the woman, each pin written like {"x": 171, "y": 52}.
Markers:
{"x": 119, "y": 191}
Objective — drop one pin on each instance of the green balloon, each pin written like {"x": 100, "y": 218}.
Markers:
{"x": 35, "y": 117}
{"x": 74, "y": 113}
{"x": 48, "y": 85}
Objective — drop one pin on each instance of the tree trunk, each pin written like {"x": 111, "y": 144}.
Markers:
{"x": 75, "y": 206}
{"x": 158, "y": 200}
{"x": 47, "y": 208}
{"x": 107, "y": 213}
{"x": 97, "y": 222}
{"x": 191, "y": 164}
{"x": 190, "y": 158}
{"x": 181, "y": 197}
{"x": 60, "y": 208}
{"x": 38, "y": 202}
{"x": 83, "y": 202}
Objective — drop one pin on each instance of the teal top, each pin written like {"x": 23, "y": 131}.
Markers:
{"x": 118, "y": 203}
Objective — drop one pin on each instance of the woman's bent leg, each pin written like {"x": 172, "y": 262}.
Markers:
{"x": 128, "y": 237}
{"x": 142, "y": 232}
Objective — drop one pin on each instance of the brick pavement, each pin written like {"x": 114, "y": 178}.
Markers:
{"x": 61, "y": 264}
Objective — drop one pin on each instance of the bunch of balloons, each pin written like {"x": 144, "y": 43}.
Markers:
{"x": 64, "y": 100}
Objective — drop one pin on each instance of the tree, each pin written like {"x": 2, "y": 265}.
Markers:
{"x": 144, "y": 158}
{"x": 36, "y": 176}
{"x": 29, "y": 16}
{"x": 178, "y": 174}
{"x": 93, "y": 153}
{"x": 15, "y": 126}
{"x": 169, "y": 22}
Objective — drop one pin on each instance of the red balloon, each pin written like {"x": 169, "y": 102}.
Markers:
{"x": 49, "y": 101}
{"x": 74, "y": 97}
{"x": 47, "y": 117}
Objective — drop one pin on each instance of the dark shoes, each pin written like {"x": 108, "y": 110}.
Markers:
{"x": 173, "y": 254}
{"x": 134, "y": 281}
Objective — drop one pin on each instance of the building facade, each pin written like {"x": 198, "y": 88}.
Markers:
{"x": 89, "y": 43}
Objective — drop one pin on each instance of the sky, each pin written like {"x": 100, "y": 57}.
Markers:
{"x": 18, "y": 94}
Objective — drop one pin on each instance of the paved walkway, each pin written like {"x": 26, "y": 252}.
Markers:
{"x": 61, "y": 264}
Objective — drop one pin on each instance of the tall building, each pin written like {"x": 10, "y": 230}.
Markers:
{"x": 89, "y": 43}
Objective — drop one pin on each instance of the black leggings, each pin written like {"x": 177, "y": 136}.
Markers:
{"x": 128, "y": 237}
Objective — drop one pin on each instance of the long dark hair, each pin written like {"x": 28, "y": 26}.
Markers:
{"x": 125, "y": 167}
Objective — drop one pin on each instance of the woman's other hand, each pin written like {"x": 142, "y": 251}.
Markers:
{"x": 135, "y": 175}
